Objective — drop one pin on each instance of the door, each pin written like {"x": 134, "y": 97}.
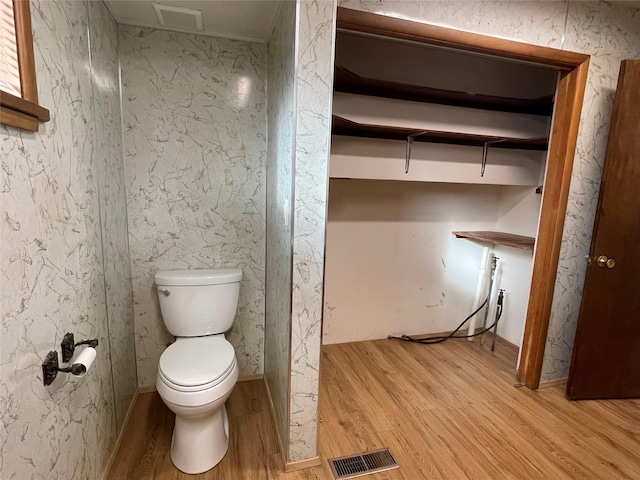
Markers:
{"x": 606, "y": 353}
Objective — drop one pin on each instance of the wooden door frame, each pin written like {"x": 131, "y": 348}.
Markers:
{"x": 562, "y": 146}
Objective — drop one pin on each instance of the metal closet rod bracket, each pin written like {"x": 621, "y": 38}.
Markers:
{"x": 485, "y": 152}
{"x": 409, "y": 144}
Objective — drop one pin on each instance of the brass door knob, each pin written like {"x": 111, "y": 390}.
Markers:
{"x": 603, "y": 261}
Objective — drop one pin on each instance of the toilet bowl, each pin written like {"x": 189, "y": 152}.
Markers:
{"x": 195, "y": 378}
{"x": 197, "y": 373}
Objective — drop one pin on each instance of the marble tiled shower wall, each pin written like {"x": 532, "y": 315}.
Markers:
{"x": 300, "y": 87}
{"x": 609, "y": 33}
{"x": 314, "y": 86}
{"x": 195, "y": 118}
{"x": 55, "y": 185}
{"x": 113, "y": 205}
{"x": 281, "y": 102}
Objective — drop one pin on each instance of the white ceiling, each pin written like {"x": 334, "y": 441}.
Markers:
{"x": 250, "y": 20}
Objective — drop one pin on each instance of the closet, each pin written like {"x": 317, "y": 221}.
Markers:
{"x": 436, "y": 155}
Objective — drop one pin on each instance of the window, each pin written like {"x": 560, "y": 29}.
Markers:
{"x": 18, "y": 89}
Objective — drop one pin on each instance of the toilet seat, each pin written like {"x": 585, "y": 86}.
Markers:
{"x": 195, "y": 364}
{"x": 197, "y": 388}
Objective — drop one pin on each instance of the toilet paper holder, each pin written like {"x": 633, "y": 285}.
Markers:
{"x": 68, "y": 346}
{"x": 51, "y": 366}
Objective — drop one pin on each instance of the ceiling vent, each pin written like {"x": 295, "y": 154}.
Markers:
{"x": 178, "y": 17}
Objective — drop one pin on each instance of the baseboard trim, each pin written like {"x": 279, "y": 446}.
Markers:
{"x": 116, "y": 447}
{"x": 553, "y": 383}
{"x": 302, "y": 464}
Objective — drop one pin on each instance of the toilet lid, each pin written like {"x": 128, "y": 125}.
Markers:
{"x": 197, "y": 360}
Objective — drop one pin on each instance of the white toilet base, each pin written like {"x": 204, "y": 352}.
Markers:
{"x": 200, "y": 443}
{"x": 201, "y": 430}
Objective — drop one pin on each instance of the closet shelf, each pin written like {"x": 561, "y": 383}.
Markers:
{"x": 348, "y": 82}
{"x": 342, "y": 126}
{"x": 500, "y": 238}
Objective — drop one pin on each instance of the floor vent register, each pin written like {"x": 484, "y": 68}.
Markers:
{"x": 362, "y": 464}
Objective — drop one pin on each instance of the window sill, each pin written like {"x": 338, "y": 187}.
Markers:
{"x": 21, "y": 113}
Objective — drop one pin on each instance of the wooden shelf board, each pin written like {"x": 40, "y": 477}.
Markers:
{"x": 500, "y": 238}
{"x": 348, "y": 82}
{"x": 342, "y": 126}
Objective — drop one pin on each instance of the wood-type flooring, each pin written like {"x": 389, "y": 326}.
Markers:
{"x": 447, "y": 411}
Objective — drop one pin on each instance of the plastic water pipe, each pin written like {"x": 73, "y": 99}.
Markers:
{"x": 479, "y": 298}
{"x": 493, "y": 278}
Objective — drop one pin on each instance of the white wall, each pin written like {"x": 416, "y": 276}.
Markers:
{"x": 393, "y": 266}
{"x": 518, "y": 212}
{"x": 378, "y": 159}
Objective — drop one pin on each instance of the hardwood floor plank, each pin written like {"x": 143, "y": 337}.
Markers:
{"x": 448, "y": 411}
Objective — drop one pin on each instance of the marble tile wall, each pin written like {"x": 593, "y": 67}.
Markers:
{"x": 105, "y": 78}
{"x": 607, "y": 31}
{"x": 314, "y": 87}
{"x": 195, "y": 117}
{"x": 279, "y": 169}
{"x": 52, "y": 277}
{"x": 589, "y": 27}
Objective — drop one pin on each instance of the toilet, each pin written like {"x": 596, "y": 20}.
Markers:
{"x": 197, "y": 372}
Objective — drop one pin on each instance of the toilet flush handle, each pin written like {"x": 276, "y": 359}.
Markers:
{"x": 165, "y": 292}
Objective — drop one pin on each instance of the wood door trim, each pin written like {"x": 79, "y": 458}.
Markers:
{"x": 569, "y": 96}
{"x": 564, "y": 136}
{"x": 365, "y": 22}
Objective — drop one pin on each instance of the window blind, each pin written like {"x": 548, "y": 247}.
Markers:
{"x": 9, "y": 70}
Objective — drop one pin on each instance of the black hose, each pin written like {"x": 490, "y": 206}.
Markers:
{"x": 434, "y": 340}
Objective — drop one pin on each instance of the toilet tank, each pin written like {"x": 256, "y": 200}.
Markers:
{"x": 198, "y": 302}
